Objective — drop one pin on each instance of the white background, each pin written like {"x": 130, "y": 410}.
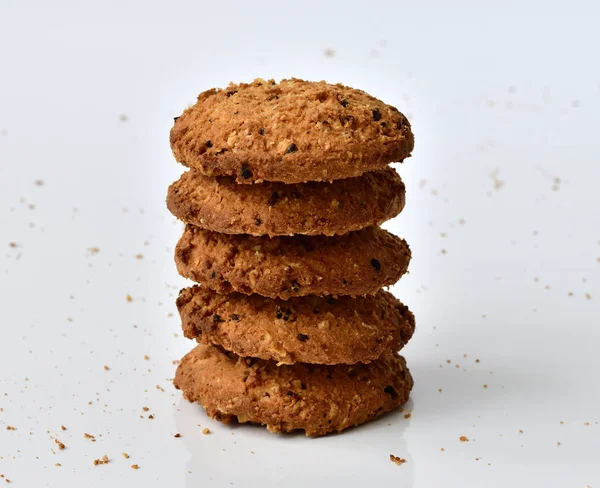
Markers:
{"x": 505, "y": 104}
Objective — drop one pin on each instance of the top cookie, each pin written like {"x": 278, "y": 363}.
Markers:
{"x": 293, "y": 131}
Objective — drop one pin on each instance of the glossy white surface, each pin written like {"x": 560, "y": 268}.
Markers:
{"x": 505, "y": 104}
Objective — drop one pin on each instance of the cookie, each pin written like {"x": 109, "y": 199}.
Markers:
{"x": 269, "y": 208}
{"x": 293, "y": 131}
{"x": 315, "y": 398}
{"x": 303, "y": 329}
{"x": 356, "y": 263}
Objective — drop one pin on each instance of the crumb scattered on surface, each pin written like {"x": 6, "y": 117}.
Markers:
{"x": 123, "y": 118}
{"x": 93, "y": 250}
{"x": 106, "y": 368}
{"x": 38, "y": 183}
{"x": 128, "y": 298}
{"x": 407, "y": 415}
{"x": 520, "y": 431}
{"x": 146, "y": 357}
{"x": 588, "y": 296}
{"x": 135, "y": 466}
{"x": 498, "y": 183}
{"x": 125, "y": 455}
{"x": 63, "y": 427}
{"x": 60, "y": 445}
{"x": 329, "y": 53}
{"x": 11, "y": 427}
{"x": 206, "y": 431}
{"x": 177, "y": 435}
{"x": 463, "y": 438}
{"x": 398, "y": 461}
{"x": 89, "y": 436}
{"x": 139, "y": 256}
{"x": 12, "y": 244}
{"x": 485, "y": 386}
{"x": 103, "y": 460}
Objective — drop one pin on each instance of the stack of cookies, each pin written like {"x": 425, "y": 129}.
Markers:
{"x": 287, "y": 186}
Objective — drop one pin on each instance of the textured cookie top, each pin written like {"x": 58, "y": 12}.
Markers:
{"x": 356, "y": 263}
{"x": 307, "y": 329}
{"x": 315, "y": 398}
{"x": 270, "y": 208}
{"x": 292, "y": 131}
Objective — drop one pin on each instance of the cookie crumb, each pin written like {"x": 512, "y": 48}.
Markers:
{"x": 498, "y": 183}
{"x": 63, "y": 427}
{"x": 12, "y": 244}
{"x": 11, "y": 427}
{"x": 206, "y": 431}
{"x": 146, "y": 357}
{"x": 135, "y": 466}
{"x": 125, "y": 455}
{"x": 103, "y": 460}
{"x": 329, "y": 53}
{"x": 463, "y": 438}
{"x": 123, "y": 118}
{"x": 106, "y": 368}
{"x": 128, "y": 298}
{"x": 397, "y": 460}
{"x": 89, "y": 436}
{"x": 93, "y": 250}
{"x": 407, "y": 415}
{"x": 139, "y": 256}
{"x": 60, "y": 445}
{"x": 485, "y": 386}
{"x": 177, "y": 435}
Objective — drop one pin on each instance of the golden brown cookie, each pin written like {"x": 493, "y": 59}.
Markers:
{"x": 292, "y": 131}
{"x": 315, "y": 398}
{"x": 354, "y": 264}
{"x": 220, "y": 204}
{"x": 303, "y": 329}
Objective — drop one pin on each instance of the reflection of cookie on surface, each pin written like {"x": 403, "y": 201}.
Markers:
{"x": 303, "y": 329}
{"x": 315, "y": 398}
{"x": 353, "y": 264}
{"x": 221, "y": 205}
{"x": 292, "y": 131}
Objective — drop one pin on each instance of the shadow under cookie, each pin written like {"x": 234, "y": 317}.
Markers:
{"x": 357, "y": 263}
{"x": 315, "y": 398}
{"x": 308, "y": 329}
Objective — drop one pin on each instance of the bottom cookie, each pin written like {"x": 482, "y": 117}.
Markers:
{"x": 315, "y": 398}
